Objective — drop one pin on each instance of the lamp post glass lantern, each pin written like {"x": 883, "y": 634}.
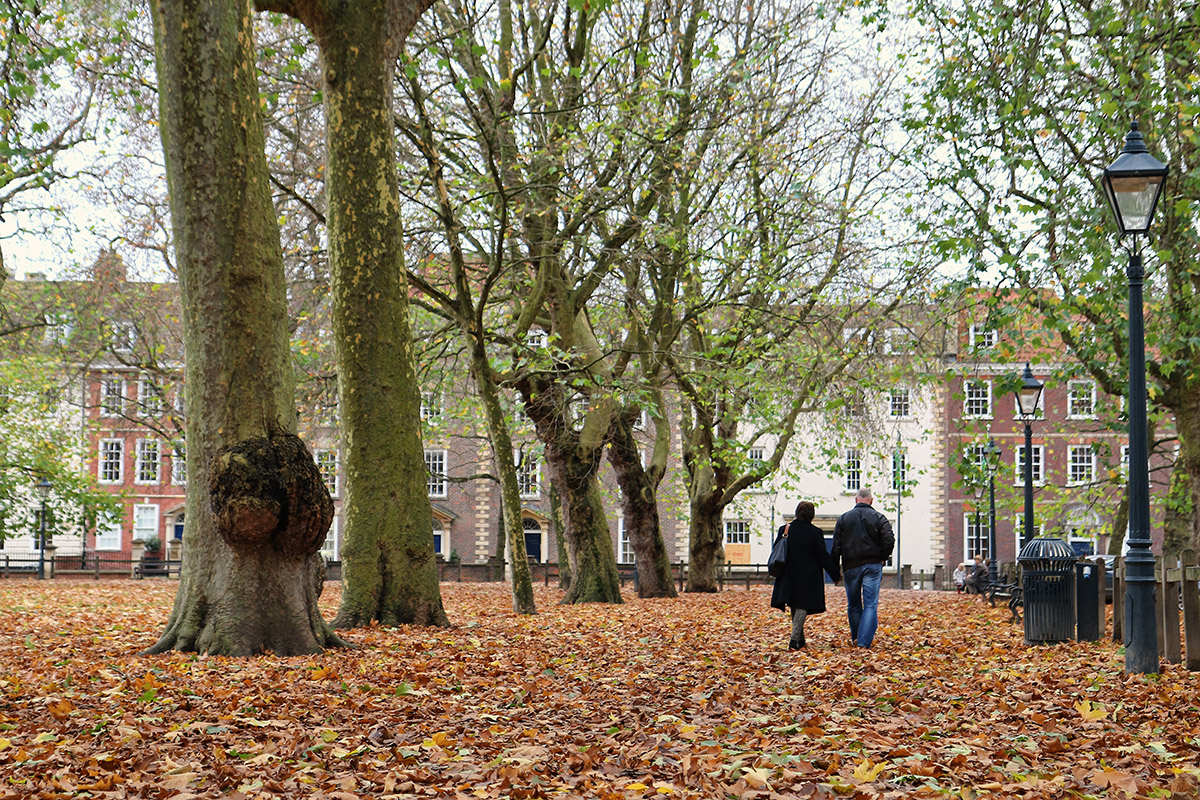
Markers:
{"x": 43, "y": 487}
{"x": 1029, "y": 395}
{"x": 1133, "y": 185}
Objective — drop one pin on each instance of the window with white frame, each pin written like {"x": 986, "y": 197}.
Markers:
{"x": 899, "y": 341}
{"x": 327, "y": 464}
{"x": 519, "y": 415}
{"x": 976, "y": 529}
{"x": 435, "y": 464}
{"x": 58, "y": 329}
{"x": 179, "y": 465}
{"x": 980, "y": 337}
{"x": 147, "y": 461}
{"x": 1039, "y": 461}
{"x": 537, "y": 338}
{"x": 124, "y": 337}
{"x": 900, "y": 402}
{"x": 145, "y": 522}
{"x": 431, "y": 406}
{"x": 108, "y": 535}
{"x": 1019, "y": 527}
{"x": 1081, "y": 464}
{"x": 756, "y": 455}
{"x": 856, "y": 403}
{"x": 439, "y": 537}
{"x": 112, "y": 397}
{"x": 977, "y": 399}
{"x": 899, "y": 470}
{"x": 852, "y": 465}
{"x": 626, "y": 550}
{"x": 737, "y": 531}
{"x": 112, "y": 461}
{"x": 1125, "y": 460}
{"x": 1081, "y": 400}
{"x": 643, "y": 420}
{"x": 329, "y": 547}
{"x": 528, "y": 474}
{"x": 976, "y": 455}
{"x": 150, "y": 397}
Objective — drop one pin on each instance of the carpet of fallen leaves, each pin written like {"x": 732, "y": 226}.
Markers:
{"x": 690, "y": 698}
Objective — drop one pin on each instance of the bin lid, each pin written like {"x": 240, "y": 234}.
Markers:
{"x": 1046, "y": 552}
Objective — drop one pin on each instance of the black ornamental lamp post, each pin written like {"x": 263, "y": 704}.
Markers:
{"x": 979, "y": 490}
{"x": 993, "y": 459}
{"x": 1029, "y": 393}
{"x": 1133, "y": 184}
{"x": 43, "y": 487}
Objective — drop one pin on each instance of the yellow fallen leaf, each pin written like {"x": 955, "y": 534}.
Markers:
{"x": 1091, "y": 711}
{"x": 866, "y": 771}
{"x": 5, "y": 743}
{"x": 328, "y": 735}
{"x": 756, "y": 778}
{"x": 637, "y": 787}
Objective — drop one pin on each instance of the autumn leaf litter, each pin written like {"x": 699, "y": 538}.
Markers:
{"x": 689, "y": 698}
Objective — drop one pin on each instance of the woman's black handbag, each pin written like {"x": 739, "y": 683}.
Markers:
{"x": 777, "y": 563}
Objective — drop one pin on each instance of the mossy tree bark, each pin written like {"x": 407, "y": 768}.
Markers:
{"x": 639, "y": 502}
{"x": 573, "y": 459}
{"x": 257, "y": 510}
{"x": 389, "y": 567}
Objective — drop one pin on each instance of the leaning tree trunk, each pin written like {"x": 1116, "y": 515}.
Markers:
{"x": 510, "y": 491}
{"x": 388, "y": 564}
{"x": 257, "y": 511}
{"x": 639, "y": 502}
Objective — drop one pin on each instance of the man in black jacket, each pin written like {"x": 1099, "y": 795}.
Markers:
{"x": 862, "y": 541}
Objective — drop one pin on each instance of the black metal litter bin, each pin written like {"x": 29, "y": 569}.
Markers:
{"x": 1048, "y": 590}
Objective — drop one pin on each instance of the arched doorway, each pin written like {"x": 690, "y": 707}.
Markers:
{"x": 533, "y": 538}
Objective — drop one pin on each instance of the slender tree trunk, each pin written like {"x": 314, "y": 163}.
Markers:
{"x": 257, "y": 510}
{"x": 639, "y": 502}
{"x": 502, "y": 452}
{"x": 388, "y": 563}
{"x": 1185, "y": 479}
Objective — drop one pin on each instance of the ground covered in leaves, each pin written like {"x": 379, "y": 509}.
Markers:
{"x": 690, "y": 698}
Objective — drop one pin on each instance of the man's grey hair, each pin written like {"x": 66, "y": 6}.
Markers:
{"x": 864, "y": 493}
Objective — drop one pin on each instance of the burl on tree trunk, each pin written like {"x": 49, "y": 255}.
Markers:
{"x": 267, "y": 495}
{"x": 254, "y": 575}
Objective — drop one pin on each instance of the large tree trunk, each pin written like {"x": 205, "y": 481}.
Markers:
{"x": 573, "y": 465}
{"x": 706, "y": 542}
{"x": 594, "y": 577}
{"x": 388, "y": 563}
{"x": 257, "y": 511}
{"x": 560, "y": 539}
{"x": 639, "y": 502}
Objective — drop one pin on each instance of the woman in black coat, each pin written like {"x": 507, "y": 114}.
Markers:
{"x": 802, "y": 586}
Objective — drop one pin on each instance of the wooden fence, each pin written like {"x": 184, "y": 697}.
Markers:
{"x": 1177, "y": 600}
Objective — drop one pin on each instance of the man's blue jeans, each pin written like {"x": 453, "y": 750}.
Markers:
{"x": 862, "y": 601}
